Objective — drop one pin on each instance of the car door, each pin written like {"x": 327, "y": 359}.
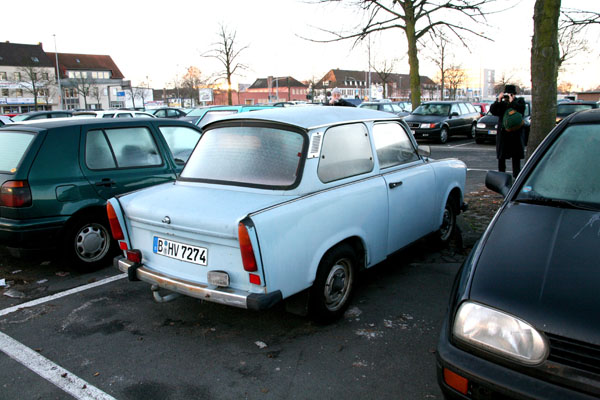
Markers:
{"x": 410, "y": 183}
{"x": 455, "y": 121}
{"x": 118, "y": 159}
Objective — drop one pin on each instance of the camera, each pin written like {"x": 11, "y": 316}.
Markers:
{"x": 505, "y": 98}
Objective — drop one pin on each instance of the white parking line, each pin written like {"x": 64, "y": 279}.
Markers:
{"x": 61, "y": 294}
{"x": 50, "y": 371}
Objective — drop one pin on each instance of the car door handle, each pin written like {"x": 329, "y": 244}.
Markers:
{"x": 106, "y": 182}
{"x": 395, "y": 184}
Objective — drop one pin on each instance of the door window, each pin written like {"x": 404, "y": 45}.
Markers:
{"x": 181, "y": 141}
{"x": 129, "y": 147}
{"x": 393, "y": 145}
{"x": 455, "y": 109}
{"x": 346, "y": 152}
{"x": 160, "y": 114}
{"x": 463, "y": 108}
{"x": 124, "y": 115}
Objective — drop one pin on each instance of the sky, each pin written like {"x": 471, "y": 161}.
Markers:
{"x": 157, "y": 41}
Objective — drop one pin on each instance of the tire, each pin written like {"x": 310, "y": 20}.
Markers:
{"x": 448, "y": 227}
{"x": 88, "y": 244}
{"x": 471, "y": 133}
{"x": 334, "y": 284}
{"x": 443, "y": 135}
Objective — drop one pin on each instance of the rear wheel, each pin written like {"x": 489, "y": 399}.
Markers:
{"x": 88, "y": 243}
{"x": 448, "y": 227}
{"x": 334, "y": 284}
{"x": 443, "y": 135}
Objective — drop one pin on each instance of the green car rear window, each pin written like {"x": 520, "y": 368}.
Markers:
{"x": 13, "y": 146}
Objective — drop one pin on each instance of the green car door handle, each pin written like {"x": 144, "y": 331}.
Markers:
{"x": 106, "y": 182}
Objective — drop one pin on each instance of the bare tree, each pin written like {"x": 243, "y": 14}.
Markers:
{"x": 84, "y": 84}
{"x": 507, "y": 78}
{"x": 384, "y": 71}
{"x": 227, "y": 53}
{"x": 564, "y": 87}
{"x": 440, "y": 59}
{"x": 140, "y": 93}
{"x": 191, "y": 82}
{"x": 34, "y": 80}
{"x": 455, "y": 77}
{"x": 96, "y": 94}
{"x": 416, "y": 18}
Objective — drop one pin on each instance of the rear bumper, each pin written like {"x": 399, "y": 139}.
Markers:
{"x": 37, "y": 234}
{"x": 227, "y": 296}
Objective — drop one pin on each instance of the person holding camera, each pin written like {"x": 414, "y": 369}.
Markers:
{"x": 510, "y": 133}
{"x": 337, "y": 100}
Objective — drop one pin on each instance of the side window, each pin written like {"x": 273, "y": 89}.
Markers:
{"x": 108, "y": 115}
{"x": 463, "y": 108}
{"x": 160, "y": 114}
{"x": 471, "y": 108}
{"x": 142, "y": 115}
{"x": 388, "y": 108}
{"x": 393, "y": 145}
{"x": 124, "y": 115}
{"x": 172, "y": 113}
{"x": 455, "y": 109}
{"x": 97, "y": 151}
{"x": 346, "y": 152}
{"x": 181, "y": 141}
{"x": 133, "y": 147}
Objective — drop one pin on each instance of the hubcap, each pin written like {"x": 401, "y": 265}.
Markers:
{"x": 92, "y": 242}
{"x": 443, "y": 135}
{"x": 337, "y": 285}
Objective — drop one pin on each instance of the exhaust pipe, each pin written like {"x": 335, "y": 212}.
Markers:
{"x": 162, "y": 299}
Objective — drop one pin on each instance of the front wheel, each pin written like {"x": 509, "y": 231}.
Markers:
{"x": 334, "y": 284}
{"x": 471, "y": 132}
{"x": 88, "y": 243}
{"x": 443, "y": 135}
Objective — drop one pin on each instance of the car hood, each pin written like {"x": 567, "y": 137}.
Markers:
{"x": 198, "y": 207}
{"x": 425, "y": 118}
{"x": 542, "y": 264}
{"x": 488, "y": 119}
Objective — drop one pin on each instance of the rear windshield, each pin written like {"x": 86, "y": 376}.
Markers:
{"x": 566, "y": 109}
{"x": 13, "y": 146}
{"x": 247, "y": 156}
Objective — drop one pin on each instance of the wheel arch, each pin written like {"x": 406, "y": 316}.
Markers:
{"x": 355, "y": 241}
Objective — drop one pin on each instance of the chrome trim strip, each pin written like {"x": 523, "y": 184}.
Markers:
{"x": 353, "y": 122}
{"x": 227, "y": 296}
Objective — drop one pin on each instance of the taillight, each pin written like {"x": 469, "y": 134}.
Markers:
{"x": 115, "y": 227}
{"x": 15, "y": 194}
{"x": 248, "y": 258}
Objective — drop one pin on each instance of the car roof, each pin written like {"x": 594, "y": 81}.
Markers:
{"x": 585, "y": 116}
{"x": 64, "y": 122}
{"x": 47, "y": 112}
{"x": 443, "y": 102}
{"x": 310, "y": 117}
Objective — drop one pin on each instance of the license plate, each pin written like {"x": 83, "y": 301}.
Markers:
{"x": 491, "y": 132}
{"x": 180, "y": 251}
{"x": 425, "y": 134}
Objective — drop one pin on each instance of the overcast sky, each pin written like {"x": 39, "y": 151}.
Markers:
{"x": 158, "y": 40}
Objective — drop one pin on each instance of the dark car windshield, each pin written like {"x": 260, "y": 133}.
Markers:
{"x": 432, "y": 109}
{"x": 566, "y": 109}
{"x": 258, "y": 156}
{"x": 569, "y": 171}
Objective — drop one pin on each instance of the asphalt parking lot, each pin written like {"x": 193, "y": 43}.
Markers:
{"x": 98, "y": 336}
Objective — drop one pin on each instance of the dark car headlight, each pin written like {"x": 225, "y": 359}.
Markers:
{"x": 481, "y": 125}
{"x": 499, "y": 333}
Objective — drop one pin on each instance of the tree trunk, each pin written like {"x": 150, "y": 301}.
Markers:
{"x": 229, "y": 99}
{"x": 413, "y": 58}
{"x": 544, "y": 70}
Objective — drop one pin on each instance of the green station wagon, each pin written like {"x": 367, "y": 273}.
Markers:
{"x": 55, "y": 178}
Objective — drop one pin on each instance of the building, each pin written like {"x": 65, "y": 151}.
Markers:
{"x": 27, "y": 79}
{"x": 92, "y": 82}
{"x": 273, "y": 89}
{"x": 592, "y": 95}
{"x": 370, "y": 85}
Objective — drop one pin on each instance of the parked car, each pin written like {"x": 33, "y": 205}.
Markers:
{"x": 5, "y": 120}
{"x": 294, "y": 202}
{"x": 112, "y": 114}
{"x": 439, "y": 120}
{"x": 564, "y": 109}
{"x": 42, "y": 115}
{"x": 56, "y": 175}
{"x": 487, "y": 126}
{"x": 482, "y": 108}
{"x": 523, "y": 318}
{"x": 405, "y": 105}
{"x": 205, "y": 115}
{"x": 386, "y": 107}
{"x": 167, "y": 112}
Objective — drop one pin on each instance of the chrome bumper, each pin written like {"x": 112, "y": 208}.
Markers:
{"x": 227, "y": 296}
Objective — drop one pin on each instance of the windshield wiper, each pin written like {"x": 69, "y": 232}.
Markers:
{"x": 558, "y": 203}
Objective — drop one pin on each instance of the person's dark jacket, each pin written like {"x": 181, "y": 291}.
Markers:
{"x": 343, "y": 103}
{"x": 509, "y": 144}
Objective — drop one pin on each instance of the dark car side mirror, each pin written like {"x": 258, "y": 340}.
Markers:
{"x": 499, "y": 182}
{"x": 454, "y": 114}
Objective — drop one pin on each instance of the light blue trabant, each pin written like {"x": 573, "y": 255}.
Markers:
{"x": 287, "y": 204}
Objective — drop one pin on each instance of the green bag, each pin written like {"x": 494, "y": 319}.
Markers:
{"x": 512, "y": 120}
